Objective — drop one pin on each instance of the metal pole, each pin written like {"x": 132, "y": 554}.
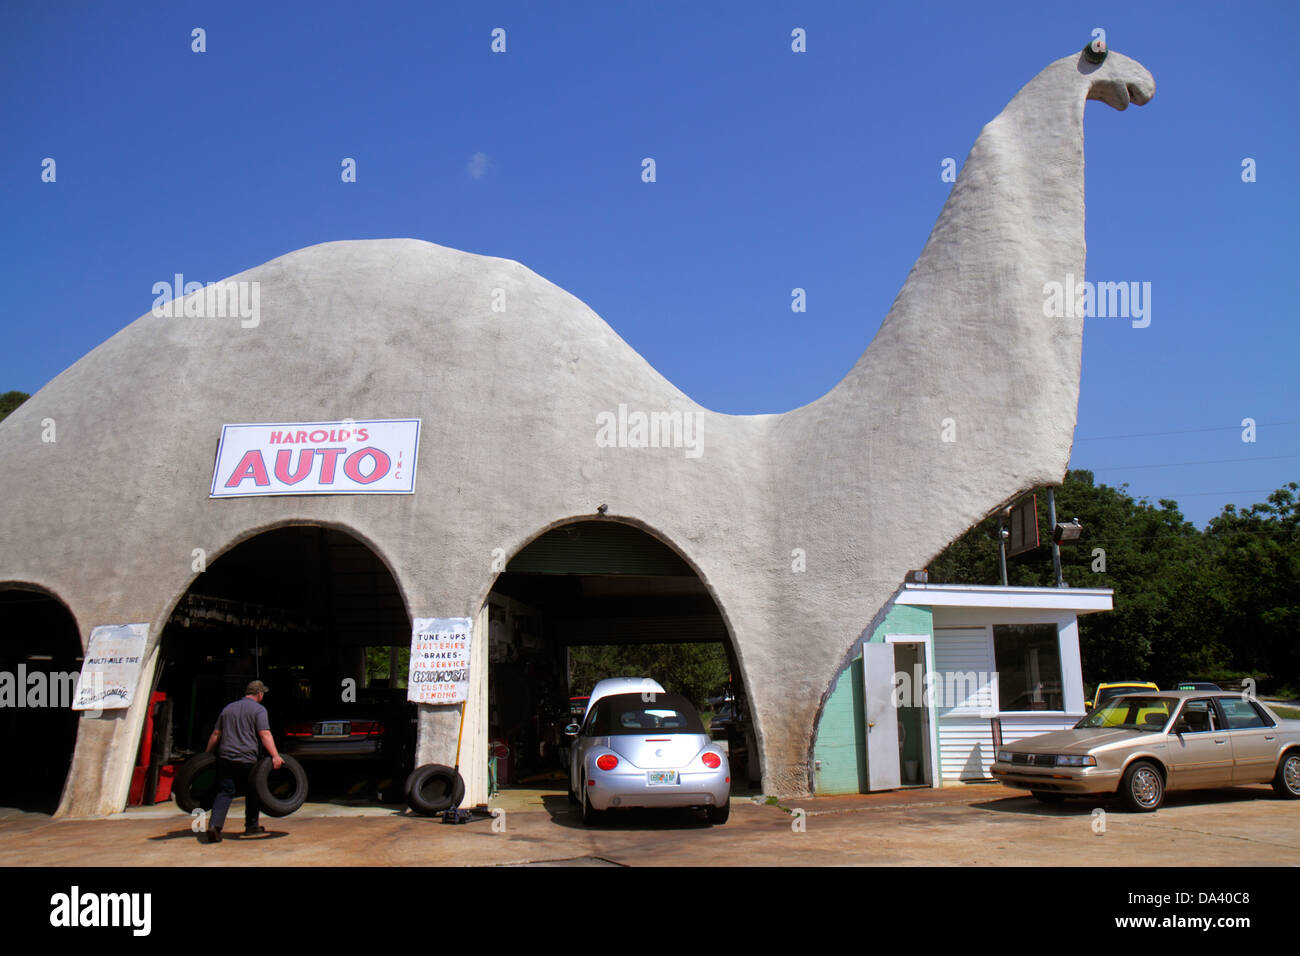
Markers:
{"x": 1056, "y": 548}
{"x": 1002, "y": 550}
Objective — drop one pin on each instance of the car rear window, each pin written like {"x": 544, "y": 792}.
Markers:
{"x": 628, "y": 714}
{"x": 1241, "y": 714}
{"x": 1106, "y": 693}
{"x": 1131, "y": 713}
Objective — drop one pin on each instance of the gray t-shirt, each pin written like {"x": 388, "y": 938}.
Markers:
{"x": 239, "y": 724}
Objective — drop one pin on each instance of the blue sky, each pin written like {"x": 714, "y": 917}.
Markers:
{"x": 775, "y": 170}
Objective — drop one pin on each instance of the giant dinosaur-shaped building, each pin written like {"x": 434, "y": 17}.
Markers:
{"x": 862, "y": 480}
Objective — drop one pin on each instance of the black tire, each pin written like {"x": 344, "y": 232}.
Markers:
{"x": 718, "y": 815}
{"x": 1286, "y": 783}
{"x": 1048, "y": 796}
{"x": 276, "y": 799}
{"x": 195, "y": 783}
{"x": 406, "y": 787}
{"x": 1143, "y": 787}
{"x": 433, "y": 788}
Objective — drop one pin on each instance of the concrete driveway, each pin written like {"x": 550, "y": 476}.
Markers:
{"x": 983, "y": 825}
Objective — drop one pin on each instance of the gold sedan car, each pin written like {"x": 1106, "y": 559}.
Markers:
{"x": 1141, "y": 745}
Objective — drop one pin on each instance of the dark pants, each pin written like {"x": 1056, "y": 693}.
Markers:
{"x": 233, "y": 777}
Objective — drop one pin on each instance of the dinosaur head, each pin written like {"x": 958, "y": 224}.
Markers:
{"x": 1114, "y": 78}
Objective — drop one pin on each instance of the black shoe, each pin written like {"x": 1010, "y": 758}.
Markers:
{"x": 214, "y": 834}
{"x": 252, "y": 831}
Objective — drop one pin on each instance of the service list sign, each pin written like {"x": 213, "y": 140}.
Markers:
{"x": 317, "y": 458}
{"x": 439, "y": 672}
{"x": 111, "y": 668}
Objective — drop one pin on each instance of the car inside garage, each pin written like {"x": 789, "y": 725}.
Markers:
{"x": 590, "y": 600}
{"x": 314, "y": 614}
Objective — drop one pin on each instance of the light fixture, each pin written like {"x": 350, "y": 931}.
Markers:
{"x": 1065, "y": 533}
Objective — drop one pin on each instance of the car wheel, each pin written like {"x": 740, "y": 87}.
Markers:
{"x": 433, "y": 788}
{"x": 1048, "y": 796}
{"x": 284, "y": 795}
{"x": 590, "y": 815}
{"x": 195, "y": 784}
{"x": 573, "y": 796}
{"x": 1287, "y": 781}
{"x": 1143, "y": 789}
{"x": 718, "y": 815}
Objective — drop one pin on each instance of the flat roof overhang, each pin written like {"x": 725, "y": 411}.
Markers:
{"x": 1079, "y": 600}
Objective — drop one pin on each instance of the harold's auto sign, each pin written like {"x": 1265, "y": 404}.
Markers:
{"x": 317, "y": 458}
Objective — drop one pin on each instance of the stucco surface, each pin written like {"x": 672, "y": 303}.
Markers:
{"x": 107, "y": 516}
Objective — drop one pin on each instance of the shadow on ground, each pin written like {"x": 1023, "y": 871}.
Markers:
{"x": 1027, "y": 805}
{"x": 568, "y": 814}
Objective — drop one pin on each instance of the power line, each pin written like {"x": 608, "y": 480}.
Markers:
{"x": 1198, "y": 494}
{"x": 1179, "y": 464}
{"x": 1185, "y": 431}
{"x": 1183, "y": 538}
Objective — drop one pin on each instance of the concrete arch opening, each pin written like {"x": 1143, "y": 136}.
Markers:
{"x": 40, "y": 660}
{"x": 315, "y": 614}
{"x": 592, "y": 599}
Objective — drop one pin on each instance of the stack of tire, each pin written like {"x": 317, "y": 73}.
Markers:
{"x": 195, "y": 784}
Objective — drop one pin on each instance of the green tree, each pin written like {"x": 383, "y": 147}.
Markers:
{"x": 696, "y": 671}
{"x": 9, "y": 401}
{"x": 1150, "y": 555}
{"x": 1256, "y": 554}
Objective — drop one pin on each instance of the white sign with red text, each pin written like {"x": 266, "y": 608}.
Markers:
{"x": 439, "y": 672}
{"x": 111, "y": 668}
{"x": 317, "y": 458}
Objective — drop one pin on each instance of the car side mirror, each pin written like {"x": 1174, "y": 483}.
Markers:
{"x": 572, "y": 730}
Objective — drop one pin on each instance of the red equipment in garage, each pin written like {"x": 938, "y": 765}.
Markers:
{"x": 153, "y": 772}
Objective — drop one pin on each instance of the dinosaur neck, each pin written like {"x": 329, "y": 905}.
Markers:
{"x": 971, "y": 310}
{"x": 966, "y": 342}
{"x": 1014, "y": 221}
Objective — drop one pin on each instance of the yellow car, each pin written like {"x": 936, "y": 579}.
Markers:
{"x": 1106, "y": 691}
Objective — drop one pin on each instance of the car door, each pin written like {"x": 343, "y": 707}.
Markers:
{"x": 1254, "y": 741}
{"x": 1200, "y": 752}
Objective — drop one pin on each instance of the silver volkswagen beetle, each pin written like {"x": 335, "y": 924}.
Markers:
{"x": 647, "y": 749}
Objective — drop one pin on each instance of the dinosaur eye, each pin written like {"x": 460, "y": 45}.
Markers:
{"x": 1095, "y": 52}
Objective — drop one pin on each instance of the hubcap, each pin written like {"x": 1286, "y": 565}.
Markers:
{"x": 1291, "y": 773}
{"x": 1146, "y": 787}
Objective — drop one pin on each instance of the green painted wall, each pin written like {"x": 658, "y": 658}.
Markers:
{"x": 840, "y": 751}
{"x": 904, "y": 619}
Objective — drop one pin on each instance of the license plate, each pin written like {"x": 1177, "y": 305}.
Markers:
{"x": 334, "y": 728}
{"x": 661, "y": 778}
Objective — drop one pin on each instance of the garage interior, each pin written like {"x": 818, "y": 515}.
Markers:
{"x": 315, "y": 615}
{"x": 38, "y": 636}
{"x": 592, "y": 584}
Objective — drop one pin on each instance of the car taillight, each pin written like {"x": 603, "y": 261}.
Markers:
{"x": 298, "y": 730}
{"x": 606, "y": 761}
{"x": 711, "y": 760}
{"x": 367, "y": 728}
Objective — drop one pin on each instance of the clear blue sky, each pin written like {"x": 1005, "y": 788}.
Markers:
{"x": 775, "y": 170}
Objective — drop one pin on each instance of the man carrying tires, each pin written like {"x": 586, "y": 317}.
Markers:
{"x": 241, "y": 728}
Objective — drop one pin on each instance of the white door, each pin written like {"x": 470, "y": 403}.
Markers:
{"x": 882, "y": 718}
